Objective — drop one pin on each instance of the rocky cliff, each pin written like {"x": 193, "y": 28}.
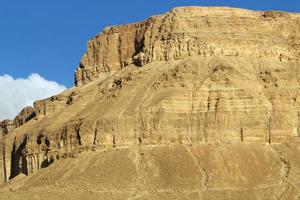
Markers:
{"x": 198, "y": 103}
{"x": 192, "y": 31}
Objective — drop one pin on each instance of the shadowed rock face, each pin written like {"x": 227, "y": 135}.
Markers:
{"x": 6, "y": 126}
{"x": 24, "y": 116}
{"x": 199, "y": 103}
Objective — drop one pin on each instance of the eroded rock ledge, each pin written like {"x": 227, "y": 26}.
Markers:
{"x": 192, "y": 31}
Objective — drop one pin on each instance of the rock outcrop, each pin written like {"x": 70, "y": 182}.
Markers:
{"x": 198, "y": 103}
{"x": 24, "y": 116}
{"x": 192, "y": 31}
{"x": 6, "y": 126}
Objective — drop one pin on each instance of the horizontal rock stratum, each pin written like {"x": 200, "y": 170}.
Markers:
{"x": 197, "y": 103}
{"x": 192, "y": 31}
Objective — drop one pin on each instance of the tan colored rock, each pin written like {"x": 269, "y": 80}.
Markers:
{"x": 24, "y": 116}
{"x": 210, "y": 112}
{"x": 192, "y": 31}
{"x": 6, "y": 126}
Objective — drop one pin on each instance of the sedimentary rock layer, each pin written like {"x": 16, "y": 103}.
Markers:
{"x": 199, "y": 102}
{"x": 201, "y": 171}
{"x": 213, "y": 100}
{"x": 192, "y": 31}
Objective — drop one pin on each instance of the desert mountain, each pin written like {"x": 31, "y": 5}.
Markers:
{"x": 197, "y": 103}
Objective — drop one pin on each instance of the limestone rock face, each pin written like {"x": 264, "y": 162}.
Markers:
{"x": 192, "y": 31}
{"x": 6, "y": 126}
{"x": 198, "y": 103}
{"x": 24, "y": 116}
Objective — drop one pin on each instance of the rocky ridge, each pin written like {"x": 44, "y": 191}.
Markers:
{"x": 192, "y": 31}
{"x": 202, "y": 97}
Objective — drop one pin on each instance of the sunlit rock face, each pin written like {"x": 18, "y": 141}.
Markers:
{"x": 192, "y": 31}
{"x": 198, "y": 103}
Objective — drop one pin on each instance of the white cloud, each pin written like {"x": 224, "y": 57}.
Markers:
{"x": 16, "y": 94}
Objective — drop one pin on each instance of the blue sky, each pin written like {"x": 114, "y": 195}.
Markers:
{"x": 49, "y": 37}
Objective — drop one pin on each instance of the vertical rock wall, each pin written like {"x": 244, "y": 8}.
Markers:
{"x": 191, "y": 31}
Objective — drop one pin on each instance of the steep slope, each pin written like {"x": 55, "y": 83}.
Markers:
{"x": 199, "y": 103}
{"x": 192, "y": 31}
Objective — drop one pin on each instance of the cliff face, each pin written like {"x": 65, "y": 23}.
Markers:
{"x": 199, "y": 103}
{"x": 192, "y": 31}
